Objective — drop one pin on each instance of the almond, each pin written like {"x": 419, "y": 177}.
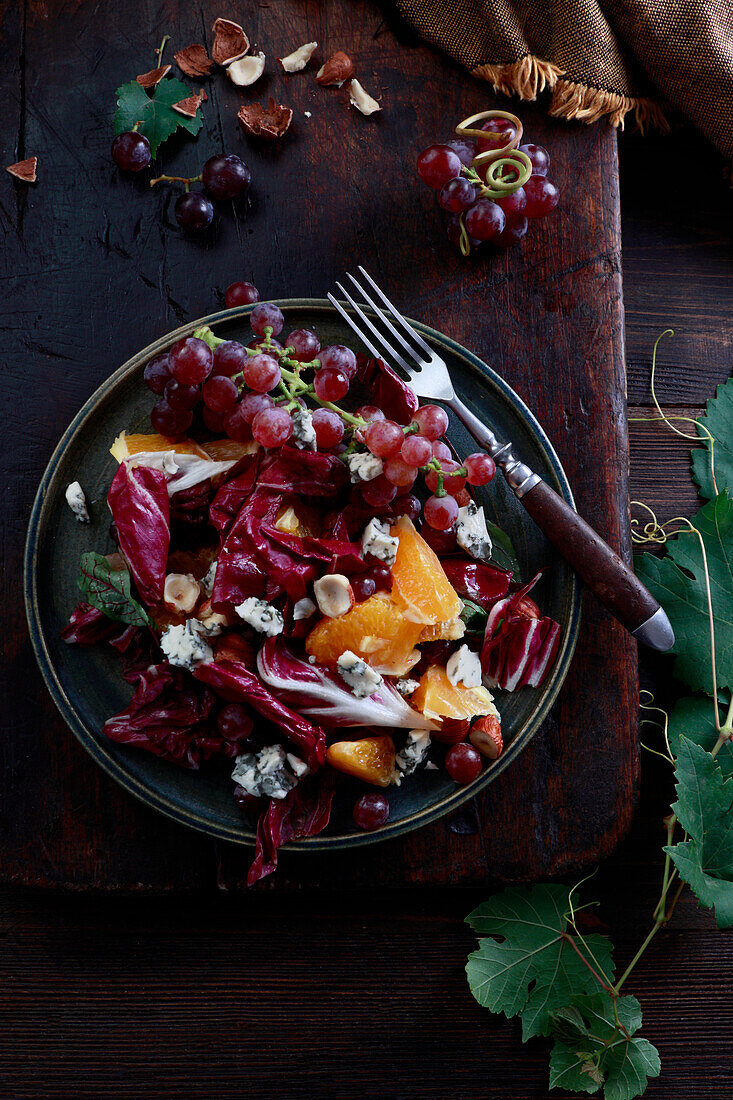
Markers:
{"x": 299, "y": 58}
{"x": 336, "y": 70}
{"x": 181, "y": 592}
{"x": 334, "y": 595}
{"x": 486, "y": 736}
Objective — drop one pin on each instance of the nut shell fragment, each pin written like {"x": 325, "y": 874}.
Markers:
{"x": 149, "y": 80}
{"x": 24, "y": 170}
{"x": 299, "y": 58}
{"x": 247, "y": 70}
{"x": 190, "y": 105}
{"x": 230, "y": 42}
{"x": 336, "y": 70}
{"x": 268, "y": 123}
{"x": 194, "y": 60}
{"x": 361, "y": 99}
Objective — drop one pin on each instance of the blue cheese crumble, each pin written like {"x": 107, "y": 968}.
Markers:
{"x": 357, "y": 675}
{"x": 471, "y": 533}
{"x": 270, "y": 772}
{"x": 413, "y": 754}
{"x": 77, "y": 502}
{"x": 407, "y": 686}
{"x": 261, "y": 615}
{"x": 363, "y": 467}
{"x": 208, "y": 580}
{"x": 464, "y": 667}
{"x": 304, "y": 433}
{"x": 184, "y": 646}
{"x": 377, "y": 541}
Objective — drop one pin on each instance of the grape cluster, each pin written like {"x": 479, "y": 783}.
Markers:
{"x": 488, "y": 184}
{"x": 252, "y": 392}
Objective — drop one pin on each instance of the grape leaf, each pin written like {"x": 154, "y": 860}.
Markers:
{"x": 718, "y": 420}
{"x": 693, "y": 717}
{"x": 154, "y": 112}
{"x": 503, "y": 553}
{"x": 704, "y": 809}
{"x": 472, "y": 615}
{"x": 678, "y": 582}
{"x": 597, "y": 1053}
{"x": 533, "y": 970}
{"x": 108, "y": 590}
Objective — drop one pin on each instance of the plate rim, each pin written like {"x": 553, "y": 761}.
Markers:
{"x": 188, "y": 816}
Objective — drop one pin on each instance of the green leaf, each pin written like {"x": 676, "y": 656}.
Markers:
{"x": 503, "y": 553}
{"x": 704, "y": 809}
{"x": 693, "y": 717}
{"x": 601, "y": 1054}
{"x": 678, "y": 582}
{"x": 154, "y": 112}
{"x": 108, "y": 590}
{"x": 533, "y": 970}
{"x": 473, "y": 616}
{"x": 718, "y": 420}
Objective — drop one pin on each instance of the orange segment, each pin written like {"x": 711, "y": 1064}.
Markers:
{"x": 444, "y": 632}
{"x": 436, "y": 697}
{"x": 375, "y": 630}
{"x": 229, "y": 450}
{"x": 126, "y": 445}
{"x": 298, "y": 518}
{"x": 371, "y": 759}
{"x": 419, "y": 582}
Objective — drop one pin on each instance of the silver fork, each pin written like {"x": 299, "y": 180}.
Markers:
{"x": 599, "y": 566}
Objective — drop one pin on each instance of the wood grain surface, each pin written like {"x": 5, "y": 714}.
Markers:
{"x": 97, "y": 269}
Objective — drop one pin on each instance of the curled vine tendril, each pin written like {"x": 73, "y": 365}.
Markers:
{"x": 506, "y": 169}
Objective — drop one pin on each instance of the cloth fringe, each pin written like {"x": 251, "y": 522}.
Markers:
{"x": 571, "y": 100}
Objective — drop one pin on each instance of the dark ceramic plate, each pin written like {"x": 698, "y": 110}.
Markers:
{"x": 86, "y": 683}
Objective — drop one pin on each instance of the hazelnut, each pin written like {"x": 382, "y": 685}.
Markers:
{"x": 247, "y": 70}
{"x": 299, "y": 58}
{"x": 361, "y": 99}
{"x": 336, "y": 70}
{"x": 334, "y": 595}
{"x": 181, "y": 592}
{"x": 486, "y": 736}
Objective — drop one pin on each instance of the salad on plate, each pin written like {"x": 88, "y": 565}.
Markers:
{"x": 302, "y": 582}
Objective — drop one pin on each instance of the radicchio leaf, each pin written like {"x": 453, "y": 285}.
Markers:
{"x": 108, "y": 590}
{"x": 234, "y": 682}
{"x": 323, "y": 697}
{"x": 171, "y": 716}
{"x": 306, "y": 473}
{"x": 305, "y": 811}
{"x": 88, "y": 625}
{"x": 227, "y": 504}
{"x": 518, "y": 651}
{"x": 395, "y": 398}
{"x": 341, "y": 555}
{"x": 138, "y": 500}
{"x": 477, "y": 581}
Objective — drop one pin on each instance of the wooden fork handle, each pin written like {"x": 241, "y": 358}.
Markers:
{"x": 600, "y": 567}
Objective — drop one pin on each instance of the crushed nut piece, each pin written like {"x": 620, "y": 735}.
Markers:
{"x": 486, "y": 736}
{"x": 190, "y": 105}
{"x": 361, "y": 99}
{"x": 230, "y": 42}
{"x": 149, "y": 80}
{"x": 299, "y": 58}
{"x": 336, "y": 70}
{"x": 268, "y": 123}
{"x": 247, "y": 70}
{"x": 24, "y": 170}
{"x": 194, "y": 60}
{"x": 181, "y": 592}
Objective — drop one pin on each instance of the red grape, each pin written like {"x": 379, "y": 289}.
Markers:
{"x": 485, "y": 220}
{"x": 417, "y": 450}
{"x": 440, "y": 512}
{"x": 504, "y": 127}
{"x": 432, "y": 421}
{"x": 305, "y": 344}
{"x": 369, "y": 412}
{"x": 340, "y": 358}
{"x": 259, "y": 344}
{"x": 225, "y": 176}
{"x": 237, "y": 425}
{"x": 363, "y": 587}
{"x": 480, "y": 468}
{"x": 438, "y": 164}
{"x": 168, "y": 421}
{"x": 330, "y": 384}
{"x": 266, "y": 315}
{"x": 241, "y": 294}
{"x": 382, "y": 577}
{"x": 131, "y": 151}
{"x": 215, "y": 422}
{"x": 193, "y": 211}
{"x": 229, "y": 358}
{"x": 384, "y": 438}
{"x": 450, "y": 484}
{"x": 457, "y": 195}
{"x": 513, "y": 232}
{"x": 454, "y": 232}
{"x": 378, "y": 492}
{"x": 540, "y": 158}
{"x": 464, "y": 148}
{"x": 371, "y": 811}
{"x": 441, "y": 450}
{"x": 234, "y": 720}
{"x": 399, "y": 472}
{"x": 180, "y": 396}
{"x": 513, "y": 205}
{"x": 220, "y": 393}
{"x": 442, "y": 542}
{"x": 262, "y": 373}
{"x": 252, "y": 403}
{"x": 157, "y": 374}
{"x": 190, "y": 360}
{"x": 542, "y": 197}
{"x": 408, "y": 506}
{"x": 463, "y": 763}
{"x": 329, "y": 428}
{"x": 272, "y": 427}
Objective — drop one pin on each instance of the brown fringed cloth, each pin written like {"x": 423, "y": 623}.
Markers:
{"x": 599, "y": 58}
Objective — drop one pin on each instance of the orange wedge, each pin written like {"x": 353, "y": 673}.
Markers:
{"x": 376, "y": 630}
{"x": 298, "y": 518}
{"x": 444, "y": 632}
{"x": 126, "y": 445}
{"x": 371, "y": 759}
{"x": 228, "y": 450}
{"x": 436, "y": 697}
{"x": 419, "y": 582}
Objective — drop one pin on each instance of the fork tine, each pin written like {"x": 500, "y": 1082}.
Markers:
{"x": 386, "y": 322}
{"x": 396, "y": 314}
{"x": 397, "y": 358}
{"x": 353, "y": 326}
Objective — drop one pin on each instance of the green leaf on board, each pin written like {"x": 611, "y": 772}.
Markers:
{"x": 533, "y": 969}
{"x": 108, "y": 590}
{"x": 154, "y": 112}
{"x": 598, "y": 1053}
{"x": 693, "y": 717}
{"x": 718, "y": 420}
{"x": 678, "y": 582}
{"x": 704, "y": 809}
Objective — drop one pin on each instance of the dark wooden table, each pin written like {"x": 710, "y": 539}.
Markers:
{"x": 329, "y": 992}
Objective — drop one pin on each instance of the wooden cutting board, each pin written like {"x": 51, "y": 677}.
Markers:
{"x": 99, "y": 270}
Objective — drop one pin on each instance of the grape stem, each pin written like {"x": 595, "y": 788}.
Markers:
{"x": 161, "y": 47}
{"x": 177, "y": 179}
